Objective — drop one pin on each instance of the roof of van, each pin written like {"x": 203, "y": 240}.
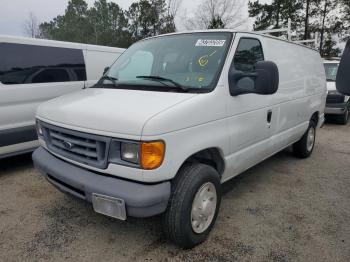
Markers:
{"x": 45, "y": 42}
{"x": 235, "y": 31}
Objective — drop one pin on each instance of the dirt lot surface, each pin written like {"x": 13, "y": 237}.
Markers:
{"x": 284, "y": 209}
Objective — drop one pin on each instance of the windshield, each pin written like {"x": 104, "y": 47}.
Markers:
{"x": 184, "y": 62}
{"x": 331, "y": 71}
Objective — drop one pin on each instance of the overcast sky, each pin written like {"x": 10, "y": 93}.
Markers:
{"x": 13, "y": 13}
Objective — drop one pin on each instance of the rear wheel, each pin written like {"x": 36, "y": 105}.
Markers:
{"x": 304, "y": 147}
{"x": 193, "y": 205}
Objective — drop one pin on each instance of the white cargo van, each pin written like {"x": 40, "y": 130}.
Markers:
{"x": 336, "y": 104}
{"x": 175, "y": 117}
{"x": 33, "y": 71}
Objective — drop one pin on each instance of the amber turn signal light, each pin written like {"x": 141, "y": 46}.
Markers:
{"x": 152, "y": 154}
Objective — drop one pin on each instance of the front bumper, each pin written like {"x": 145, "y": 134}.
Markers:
{"x": 141, "y": 200}
{"x": 336, "y": 108}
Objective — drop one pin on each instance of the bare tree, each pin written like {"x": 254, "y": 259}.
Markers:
{"x": 31, "y": 26}
{"x": 173, "y": 7}
{"x": 227, "y": 13}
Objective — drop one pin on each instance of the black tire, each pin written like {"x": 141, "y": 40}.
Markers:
{"x": 177, "y": 223}
{"x": 300, "y": 148}
{"x": 344, "y": 118}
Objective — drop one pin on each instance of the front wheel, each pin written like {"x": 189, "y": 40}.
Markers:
{"x": 193, "y": 205}
{"x": 304, "y": 147}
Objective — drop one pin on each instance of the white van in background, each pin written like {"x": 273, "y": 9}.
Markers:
{"x": 336, "y": 104}
{"x": 175, "y": 117}
{"x": 33, "y": 71}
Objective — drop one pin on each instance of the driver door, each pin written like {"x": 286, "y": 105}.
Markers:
{"x": 251, "y": 116}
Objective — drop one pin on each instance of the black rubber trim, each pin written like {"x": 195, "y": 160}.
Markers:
{"x": 17, "y": 135}
{"x": 338, "y": 105}
{"x": 76, "y": 190}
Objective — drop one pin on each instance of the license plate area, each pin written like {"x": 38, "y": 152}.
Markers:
{"x": 109, "y": 206}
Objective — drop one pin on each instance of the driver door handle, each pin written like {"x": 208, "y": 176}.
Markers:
{"x": 269, "y": 117}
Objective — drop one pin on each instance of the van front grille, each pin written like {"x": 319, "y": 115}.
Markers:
{"x": 78, "y": 146}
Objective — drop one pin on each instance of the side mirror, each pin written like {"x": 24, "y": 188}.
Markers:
{"x": 105, "y": 70}
{"x": 263, "y": 81}
{"x": 343, "y": 74}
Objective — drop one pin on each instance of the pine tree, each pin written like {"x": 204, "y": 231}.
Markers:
{"x": 345, "y": 19}
{"x": 108, "y": 23}
{"x": 276, "y": 14}
{"x": 330, "y": 48}
{"x": 216, "y": 23}
{"x": 105, "y": 23}
{"x": 149, "y": 18}
{"x": 326, "y": 23}
{"x": 72, "y": 26}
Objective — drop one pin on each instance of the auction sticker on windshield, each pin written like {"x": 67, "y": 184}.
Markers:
{"x": 210, "y": 42}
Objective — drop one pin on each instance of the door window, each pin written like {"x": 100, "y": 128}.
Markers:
{"x": 20, "y": 64}
{"x": 51, "y": 75}
{"x": 248, "y": 52}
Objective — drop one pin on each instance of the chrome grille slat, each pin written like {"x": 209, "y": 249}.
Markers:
{"x": 82, "y": 147}
{"x": 76, "y": 150}
{"x": 72, "y": 140}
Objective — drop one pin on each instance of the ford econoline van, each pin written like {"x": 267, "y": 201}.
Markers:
{"x": 33, "y": 71}
{"x": 175, "y": 117}
{"x": 337, "y": 104}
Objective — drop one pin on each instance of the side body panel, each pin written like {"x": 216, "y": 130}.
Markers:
{"x": 301, "y": 93}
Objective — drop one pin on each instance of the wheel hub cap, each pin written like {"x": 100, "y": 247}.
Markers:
{"x": 310, "y": 139}
{"x": 203, "y": 207}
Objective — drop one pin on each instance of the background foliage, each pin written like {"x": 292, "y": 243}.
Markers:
{"x": 106, "y": 23}
{"x": 326, "y": 19}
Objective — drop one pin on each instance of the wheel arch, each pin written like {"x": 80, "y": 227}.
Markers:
{"x": 212, "y": 156}
{"x": 315, "y": 117}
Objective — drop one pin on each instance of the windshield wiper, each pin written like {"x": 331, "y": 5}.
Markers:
{"x": 163, "y": 79}
{"x": 110, "y": 78}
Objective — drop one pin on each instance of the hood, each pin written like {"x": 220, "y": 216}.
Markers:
{"x": 331, "y": 85}
{"x": 118, "y": 111}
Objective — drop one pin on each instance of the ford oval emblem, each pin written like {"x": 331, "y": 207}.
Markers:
{"x": 67, "y": 145}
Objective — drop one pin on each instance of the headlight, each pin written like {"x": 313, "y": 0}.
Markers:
{"x": 130, "y": 152}
{"x": 147, "y": 155}
{"x": 39, "y": 130}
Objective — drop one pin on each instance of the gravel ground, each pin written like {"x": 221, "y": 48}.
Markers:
{"x": 284, "y": 209}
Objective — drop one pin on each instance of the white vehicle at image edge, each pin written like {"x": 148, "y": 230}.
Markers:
{"x": 175, "y": 117}
{"x": 33, "y": 71}
{"x": 336, "y": 104}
